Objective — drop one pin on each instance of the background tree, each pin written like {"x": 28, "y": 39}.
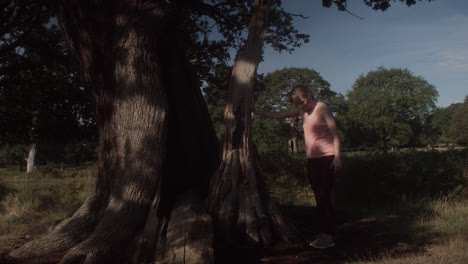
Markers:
{"x": 272, "y": 134}
{"x": 389, "y": 108}
{"x": 41, "y": 99}
{"x": 459, "y": 127}
{"x": 442, "y": 122}
{"x": 13, "y": 155}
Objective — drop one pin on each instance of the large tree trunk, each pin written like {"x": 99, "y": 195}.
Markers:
{"x": 239, "y": 201}
{"x": 156, "y": 137}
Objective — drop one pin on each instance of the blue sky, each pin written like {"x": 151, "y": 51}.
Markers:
{"x": 429, "y": 38}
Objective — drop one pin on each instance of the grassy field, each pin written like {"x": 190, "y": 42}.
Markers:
{"x": 29, "y": 202}
{"x": 446, "y": 227}
{"x": 409, "y": 207}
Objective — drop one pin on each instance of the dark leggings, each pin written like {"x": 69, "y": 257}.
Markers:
{"x": 321, "y": 177}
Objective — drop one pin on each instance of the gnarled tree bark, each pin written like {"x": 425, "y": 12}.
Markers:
{"x": 156, "y": 137}
{"x": 239, "y": 200}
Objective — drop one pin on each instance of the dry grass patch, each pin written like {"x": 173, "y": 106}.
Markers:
{"x": 448, "y": 221}
{"x": 29, "y": 202}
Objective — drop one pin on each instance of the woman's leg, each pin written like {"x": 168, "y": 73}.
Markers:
{"x": 321, "y": 178}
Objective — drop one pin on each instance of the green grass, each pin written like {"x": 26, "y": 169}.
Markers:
{"x": 28, "y": 201}
{"x": 446, "y": 229}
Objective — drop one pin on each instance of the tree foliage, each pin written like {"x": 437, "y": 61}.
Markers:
{"x": 41, "y": 98}
{"x": 389, "y": 108}
{"x": 377, "y": 5}
{"x": 442, "y": 122}
{"x": 459, "y": 127}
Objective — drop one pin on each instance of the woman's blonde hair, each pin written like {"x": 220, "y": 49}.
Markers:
{"x": 300, "y": 91}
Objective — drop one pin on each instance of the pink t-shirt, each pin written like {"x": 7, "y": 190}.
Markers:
{"x": 317, "y": 136}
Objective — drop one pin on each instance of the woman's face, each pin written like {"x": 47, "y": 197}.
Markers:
{"x": 305, "y": 104}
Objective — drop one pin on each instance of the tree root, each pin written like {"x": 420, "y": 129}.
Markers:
{"x": 67, "y": 234}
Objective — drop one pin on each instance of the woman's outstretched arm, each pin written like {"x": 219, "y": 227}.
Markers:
{"x": 277, "y": 115}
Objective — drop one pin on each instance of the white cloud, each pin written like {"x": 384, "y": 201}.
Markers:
{"x": 454, "y": 59}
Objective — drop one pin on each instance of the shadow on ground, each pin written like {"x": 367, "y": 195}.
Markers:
{"x": 358, "y": 238}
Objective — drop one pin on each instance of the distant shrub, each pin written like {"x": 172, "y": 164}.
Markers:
{"x": 12, "y": 154}
{"x": 373, "y": 181}
{"x": 80, "y": 152}
{"x": 46, "y": 169}
{"x": 393, "y": 178}
{"x": 52, "y": 170}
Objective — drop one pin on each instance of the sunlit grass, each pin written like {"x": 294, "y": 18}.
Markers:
{"x": 446, "y": 226}
{"x": 28, "y": 202}
{"x": 451, "y": 217}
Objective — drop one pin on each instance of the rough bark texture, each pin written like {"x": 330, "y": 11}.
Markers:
{"x": 129, "y": 55}
{"x": 239, "y": 201}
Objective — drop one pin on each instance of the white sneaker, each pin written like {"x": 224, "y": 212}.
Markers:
{"x": 323, "y": 241}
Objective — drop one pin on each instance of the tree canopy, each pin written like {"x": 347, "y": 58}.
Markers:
{"x": 389, "y": 108}
{"x": 442, "y": 123}
{"x": 41, "y": 97}
{"x": 459, "y": 127}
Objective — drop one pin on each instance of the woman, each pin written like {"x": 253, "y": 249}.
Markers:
{"x": 323, "y": 154}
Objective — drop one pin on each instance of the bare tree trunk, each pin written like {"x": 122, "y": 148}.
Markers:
{"x": 238, "y": 200}
{"x": 293, "y": 137}
{"x": 292, "y": 145}
{"x": 31, "y": 158}
{"x": 129, "y": 56}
